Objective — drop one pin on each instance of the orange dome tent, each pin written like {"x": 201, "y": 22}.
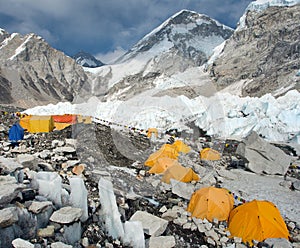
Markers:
{"x": 257, "y": 220}
{"x": 210, "y": 203}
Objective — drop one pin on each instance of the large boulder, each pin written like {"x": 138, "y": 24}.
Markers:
{"x": 262, "y": 156}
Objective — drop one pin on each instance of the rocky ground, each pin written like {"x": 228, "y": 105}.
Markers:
{"x": 93, "y": 152}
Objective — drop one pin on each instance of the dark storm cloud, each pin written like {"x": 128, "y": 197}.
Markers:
{"x": 101, "y": 26}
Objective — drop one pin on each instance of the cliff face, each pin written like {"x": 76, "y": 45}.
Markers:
{"x": 264, "y": 54}
{"x": 32, "y": 72}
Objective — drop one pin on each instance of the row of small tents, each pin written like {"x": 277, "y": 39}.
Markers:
{"x": 255, "y": 220}
{"x": 47, "y": 123}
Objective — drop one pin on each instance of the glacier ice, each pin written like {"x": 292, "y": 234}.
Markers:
{"x": 78, "y": 196}
{"x": 109, "y": 210}
{"x": 49, "y": 185}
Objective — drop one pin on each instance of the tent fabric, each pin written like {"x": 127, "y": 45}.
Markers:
{"x": 65, "y": 118}
{"x": 162, "y": 164}
{"x": 41, "y": 124}
{"x": 166, "y": 150}
{"x": 151, "y": 131}
{"x": 16, "y": 132}
{"x": 210, "y": 203}
{"x": 25, "y": 122}
{"x": 209, "y": 154}
{"x": 180, "y": 146}
{"x": 257, "y": 220}
{"x": 61, "y": 126}
{"x": 179, "y": 173}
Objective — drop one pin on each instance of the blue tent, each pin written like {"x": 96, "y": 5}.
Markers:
{"x": 16, "y": 132}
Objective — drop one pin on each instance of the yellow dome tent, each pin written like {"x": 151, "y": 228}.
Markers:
{"x": 209, "y": 154}
{"x": 162, "y": 164}
{"x": 179, "y": 173}
{"x": 180, "y": 146}
{"x": 166, "y": 150}
{"x": 257, "y": 220}
{"x": 210, "y": 203}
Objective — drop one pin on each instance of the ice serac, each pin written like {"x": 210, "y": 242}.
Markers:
{"x": 134, "y": 234}
{"x": 109, "y": 212}
{"x": 78, "y": 196}
{"x": 49, "y": 184}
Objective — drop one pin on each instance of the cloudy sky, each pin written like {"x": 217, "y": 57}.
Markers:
{"x": 104, "y": 28}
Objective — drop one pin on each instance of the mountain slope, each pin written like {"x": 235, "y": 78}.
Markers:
{"x": 87, "y": 60}
{"x": 185, "y": 40}
{"x": 31, "y": 72}
{"x": 263, "y": 54}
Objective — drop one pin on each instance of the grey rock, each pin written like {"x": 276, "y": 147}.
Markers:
{"x": 278, "y": 243}
{"x": 66, "y": 215}
{"x": 38, "y": 207}
{"x": 28, "y": 161}
{"x": 21, "y": 243}
{"x": 64, "y": 149}
{"x": 162, "y": 242}
{"x": 60, "y": 245}
{"x": 9, "y": 165}
{"x": 9, "y": 189}
{"x": 152, "y": 225}
{"x": 262, "y": 156}
{"x": 8, "y": 216}
{"x": 296, "y": 185}
{"x": 46, "y": 232}
{"x": 181, "y": 189}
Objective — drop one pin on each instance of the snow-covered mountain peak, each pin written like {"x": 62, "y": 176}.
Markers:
{"x": 184, "y": 31}
{"x": 87, "y": 60}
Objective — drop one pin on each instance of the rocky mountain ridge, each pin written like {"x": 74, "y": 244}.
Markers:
{"x": 34, "y": 73}
{"x": 263, "y": 55}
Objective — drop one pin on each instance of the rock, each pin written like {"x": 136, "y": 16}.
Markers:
{"x": 278, "y": 243}
{"x": 38, "y": 207}
{"x": 163, "y": 209}
{"x": 9, "y": 189}
{"x": 262, "y": 156}
{"x": 8, "y": 216}
{"x": 45, "y": 166}
{"x": 162, "y": 242}
{"x": 211, "y": 241}
{"x": 77, "y": 170}
{"x": 44, "y": 154}
{"x": 56, "y": 143}
{"x": 28, "y": 161}
{"x": 170, "y": 215}
{"x": 21, "y": 243}
{"x": 60, "y": 245}
{"x": 65, "y": 149}
{"x": 180, "y": 221}
{"x": 46, "y": 232}
{"x": 212, "y": 234}
{"x": 181, "y": 189}
{"x": 9, "y": 165}
{"x": 296, "y": 185}
{"x": 71, "y": 142}
{"x": 226, "y": 174}
{"x": 66, "y": 215}
{"x": 152, "y": 225}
